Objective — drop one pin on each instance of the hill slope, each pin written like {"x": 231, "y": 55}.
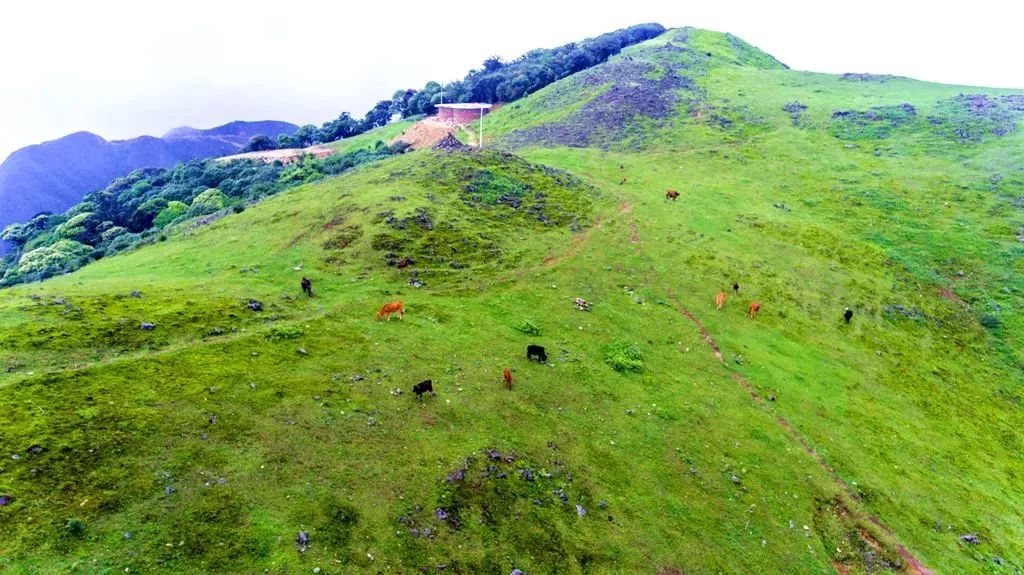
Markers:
{"x": 54, "y": 175}
{"x": 663, "y": 435}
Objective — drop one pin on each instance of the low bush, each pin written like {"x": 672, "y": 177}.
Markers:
{"x": 624, "y": 357}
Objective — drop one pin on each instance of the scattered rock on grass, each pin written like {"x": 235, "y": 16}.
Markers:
{"x": 147, "y": 326}
{"x": 794, "y": 109}
{"x": 6, "y": 500}
{"x": 255, "y": 305}
{"x": 855, "y": 77}
{"x": 970, "y": 538}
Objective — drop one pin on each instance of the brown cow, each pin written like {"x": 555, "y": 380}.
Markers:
{"x": 755, "y": 306}
{"x": 720, "y": 300}
{"x": 390, "y": 308}
{"x": 508, "y": 378}
{"x": 671, "y": 195}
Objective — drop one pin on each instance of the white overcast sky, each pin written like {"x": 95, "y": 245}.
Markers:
{"x": 122, "y": 69}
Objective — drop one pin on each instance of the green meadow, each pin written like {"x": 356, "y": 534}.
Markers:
{"x": 806, "y": 445}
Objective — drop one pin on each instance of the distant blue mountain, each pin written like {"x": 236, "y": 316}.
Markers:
{"x": 55, "y": 175}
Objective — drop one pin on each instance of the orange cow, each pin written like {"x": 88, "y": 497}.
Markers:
{"x": 390, "y": 308}
{"x": 720, "y": 300}
{"x": 755, "y": 306}
{"x": 508, "y": 378}
{"x": 671, "y": 195}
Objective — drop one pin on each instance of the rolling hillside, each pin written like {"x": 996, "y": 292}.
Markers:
{"x": 662, "y": 436}
{"x": 53, "y": 176}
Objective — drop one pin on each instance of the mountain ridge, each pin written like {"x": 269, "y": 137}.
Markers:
{"x": 183, "y": 407}
{"x": 52, "y": 176}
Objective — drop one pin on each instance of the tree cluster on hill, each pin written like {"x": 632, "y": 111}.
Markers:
{"x": 496, "y": 81}
{"x": 501, "y": 81}
{"x": 139, "y": 208}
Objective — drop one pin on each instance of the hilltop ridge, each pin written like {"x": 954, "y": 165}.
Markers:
{"x": 185, "y": 408}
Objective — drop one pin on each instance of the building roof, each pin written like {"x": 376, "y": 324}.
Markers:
{"x": 466, "y": 106}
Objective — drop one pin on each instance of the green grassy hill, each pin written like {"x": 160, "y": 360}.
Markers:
{"x": 663, "y": 436}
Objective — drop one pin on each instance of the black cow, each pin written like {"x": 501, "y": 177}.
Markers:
{"x": 307, "y": 287}
{"x": 736, "y": 287}
{"x": 848, "y": 314}
{"x": 425, "y": 386}
{"x": 536, "y": 352}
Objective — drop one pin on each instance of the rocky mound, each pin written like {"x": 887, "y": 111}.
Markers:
{"x": 449, "y": 143}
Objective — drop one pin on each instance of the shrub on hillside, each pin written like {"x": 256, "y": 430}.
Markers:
{"x": 284, "y": 332}
{"x": 876, "y": 122}
{"x": 208, "y": 202}
{"x": 624, "y": 357}
{"x": 990, "y": 321}
{"x": 64, "y": 255}
{"x": 527, "y": 327}
{"x": 173, "y": 211}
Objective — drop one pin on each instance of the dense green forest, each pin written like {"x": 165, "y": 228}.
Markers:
{"x": 139, "y": 208}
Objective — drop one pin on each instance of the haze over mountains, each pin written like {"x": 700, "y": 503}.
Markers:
{"x": 54, "y": 175}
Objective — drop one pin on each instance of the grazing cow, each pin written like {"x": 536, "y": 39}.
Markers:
{"x": 536, "y": 352}
{"x": 848, "y": 315}
{"x": 403, "y": 263}
{"x": 507, "y": 374}
{"x": 425, "y": 386}
{"x": 307, "y": 287}
{"x": 720, "y": 300}
{"x": 390, "y": 308}
{"x": 671, "y": 195}
{"x": 735, "y": 287}
{"x": 755, "y": 306}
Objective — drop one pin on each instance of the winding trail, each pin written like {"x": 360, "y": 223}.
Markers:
{"x": 703, "y": 331}
{"x": 913, "y": 564}
{"x": 578, "y": 241}
{"x": 581, "y": 239}
{"x": 634, "y": 233}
